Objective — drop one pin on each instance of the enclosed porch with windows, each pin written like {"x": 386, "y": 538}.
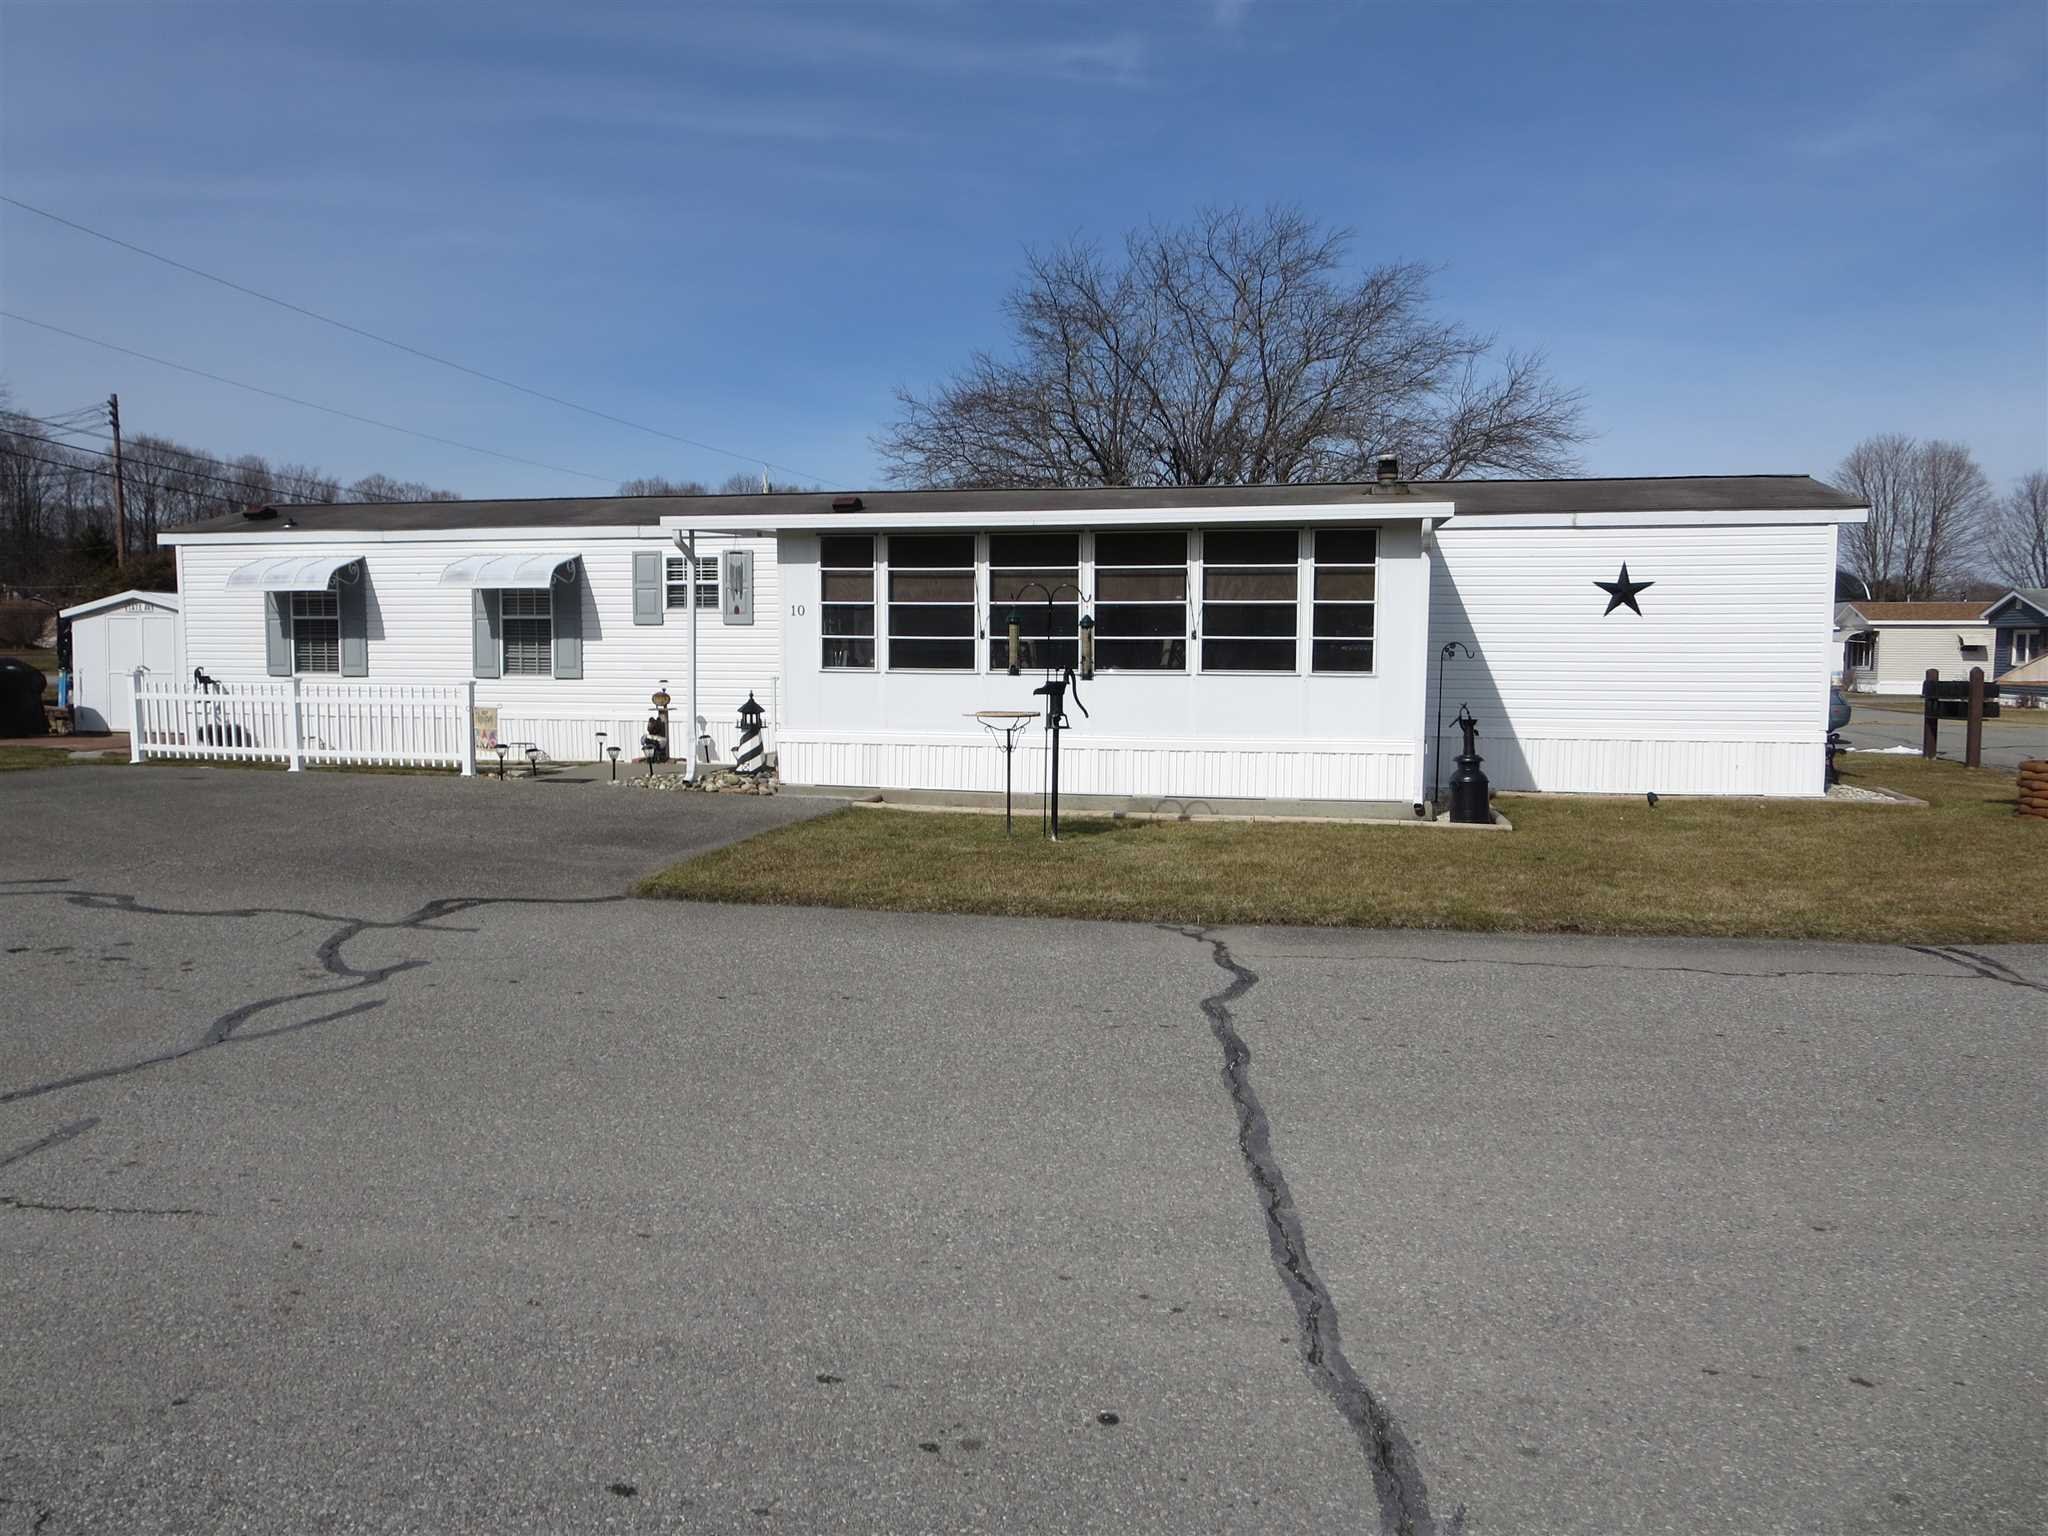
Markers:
{"x": 1266, "y": 655}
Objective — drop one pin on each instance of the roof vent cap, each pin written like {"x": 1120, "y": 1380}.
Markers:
{"x": 1387, "y": 468}
{"x": 846, "y": 504}
{"x": 260, "y": 514}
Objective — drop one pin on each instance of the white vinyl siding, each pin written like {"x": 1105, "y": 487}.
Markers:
{"x": 420, "y": 631}
{"x": 1906, "y": 651}
{"x": 316, "y": 631}
{"x": 1718, "y": 687}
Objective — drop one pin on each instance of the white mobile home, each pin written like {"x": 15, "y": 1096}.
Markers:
{"x": 1249, "y": 643}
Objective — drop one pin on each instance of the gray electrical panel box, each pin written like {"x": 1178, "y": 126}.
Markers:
{"x": 736, "y": 587}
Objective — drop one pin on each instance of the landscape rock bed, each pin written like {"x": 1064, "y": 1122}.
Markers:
{"x": 713, "y": 781}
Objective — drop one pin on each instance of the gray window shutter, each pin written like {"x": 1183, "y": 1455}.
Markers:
{"x": 355, "y": 625}
{"x": 485, "y": 660}
{"x": 649, "y": 596}
{"x": 568, "y": 620}
{"x": 277, "y": 633}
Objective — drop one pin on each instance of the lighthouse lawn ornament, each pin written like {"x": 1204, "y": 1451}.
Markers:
{"x": 750, "y": 758}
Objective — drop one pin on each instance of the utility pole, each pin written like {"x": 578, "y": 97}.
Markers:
{"x": 120, "y": 492}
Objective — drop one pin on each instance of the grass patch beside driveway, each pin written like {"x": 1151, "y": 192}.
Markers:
{"x": 1733, "y": 868}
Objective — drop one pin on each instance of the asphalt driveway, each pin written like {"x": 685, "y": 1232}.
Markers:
{"x": 367, "y": 1164}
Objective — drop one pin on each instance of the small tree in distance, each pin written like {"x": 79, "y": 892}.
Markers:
{"x": 1238, "y": 349}
{"x": 1929, "y": 505}
{"x": 2017, "y": 545}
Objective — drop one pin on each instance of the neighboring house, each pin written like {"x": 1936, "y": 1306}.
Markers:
{"x": 2027, "y": 684}
{"x": 1889, "y": 647}
{"x": 2019, "y": 625}
{"x": 110, "y": 638}
{"x": 1252, "y": 643}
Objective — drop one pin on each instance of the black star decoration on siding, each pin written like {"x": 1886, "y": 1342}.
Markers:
{"x": 1622, "y": 591}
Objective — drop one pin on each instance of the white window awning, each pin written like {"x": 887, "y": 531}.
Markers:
{"x": 295, "y": 573}
{"x": 524, "y": 568}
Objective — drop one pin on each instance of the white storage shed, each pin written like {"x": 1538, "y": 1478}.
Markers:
{"x": 110, "y": 638}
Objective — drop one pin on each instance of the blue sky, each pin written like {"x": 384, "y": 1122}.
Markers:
{"x": 1753, "y": 233}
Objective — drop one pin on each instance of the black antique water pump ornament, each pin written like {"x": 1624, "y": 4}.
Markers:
{"x": 1469, "y": 788}
{"x": 1057, "y": 681}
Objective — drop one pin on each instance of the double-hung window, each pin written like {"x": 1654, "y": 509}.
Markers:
{"x": 1347, "y": 573}
{"x": 846, "y": 600}
{"x": 1141, "y": 601}
{"x": 316, "y": 631}
{"x": 1024, "y": 569}
{"x": 931, "y": 602}
{"x": 707, "y": 582}
{"x": 526, "y": 617}
{"x": 1249, "y": 581}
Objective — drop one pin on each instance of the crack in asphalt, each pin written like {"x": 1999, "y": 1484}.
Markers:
{"x": 226, "y": 1029}
{"x": 15, "y": 1202}
{"x": 1396, "y": 1475}
{"x": 1982, "y": 966}
{"x": 2000, "y": 972}
{"x": 58, "y": 1137}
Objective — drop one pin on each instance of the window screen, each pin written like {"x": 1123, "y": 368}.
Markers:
{"x": 526, "y": 616}
{"x": 1141, "y": 601}
{"x": 931, "y": 602}
{"x": 1250, "y": 579}
{"x": 1347, "y": 585}
{"x": 316, "y": 632}
{"x": 846, "y": 600}
{"x": 1022, "y": 569}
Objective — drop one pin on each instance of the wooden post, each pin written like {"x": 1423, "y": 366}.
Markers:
{"x": 1932, "y": 713}
{"x": 1973, "y": 734}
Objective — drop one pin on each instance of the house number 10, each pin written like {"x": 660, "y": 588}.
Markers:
{"x": 797, "y": 609}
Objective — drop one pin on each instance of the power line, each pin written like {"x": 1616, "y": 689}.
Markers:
{"x": 146, "y": 440}
{"x": 300, "y": 309}
{"x": 332, "y": 410}
{"x": 254, "y": 493}
{"x": 108, "y": 474}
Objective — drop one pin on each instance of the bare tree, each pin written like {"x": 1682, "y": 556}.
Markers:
{"x": 302, "y": 483}
{"x": 1928, "y": 505}
{"x": 1236, "y": 350}
{"x": 382, "y": 488}
{"x": 2017, "y": 541}
{"x": 658, "y": 485}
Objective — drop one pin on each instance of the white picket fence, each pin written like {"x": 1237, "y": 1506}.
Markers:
{"x": 296, "y": 723}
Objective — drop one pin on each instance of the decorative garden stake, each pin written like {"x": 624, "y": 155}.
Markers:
{"x": 748, "y": 756}
{"x": 1468, "y": 785}
{"x": 615, "y": 751}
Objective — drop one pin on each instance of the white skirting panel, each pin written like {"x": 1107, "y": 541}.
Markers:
{"x": 1612, "y": 764}
{"x": 1095, "y": 765}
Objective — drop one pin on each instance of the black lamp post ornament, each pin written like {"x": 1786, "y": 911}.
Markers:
{"x": 614, "y": 752}
{"x": 1469, "y": 788}
{"x": 749, "y": 758}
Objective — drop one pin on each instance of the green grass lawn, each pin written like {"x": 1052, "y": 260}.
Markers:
{"x": 13, "y": 759}
{"x": 1750, "y": 868}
